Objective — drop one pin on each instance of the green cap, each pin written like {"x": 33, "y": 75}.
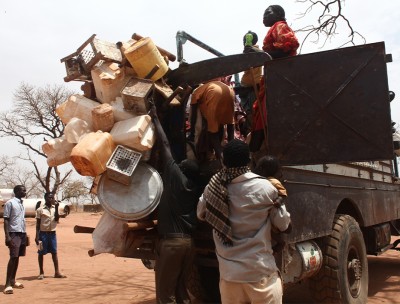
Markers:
{"x": 249, "y": 39}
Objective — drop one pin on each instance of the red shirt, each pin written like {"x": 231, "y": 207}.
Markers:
{"x": 281, "y": 37}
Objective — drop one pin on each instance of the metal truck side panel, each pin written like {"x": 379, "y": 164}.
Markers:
{"x": 329, "y": 107}
{"x": 314, "y": 198}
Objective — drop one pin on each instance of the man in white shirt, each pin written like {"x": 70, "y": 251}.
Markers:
{"x": 15, "y": 235}
{"x": 238, "y": 204}
{"x": 47, "y": 218}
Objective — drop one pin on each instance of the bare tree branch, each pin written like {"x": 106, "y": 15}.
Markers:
{"x": 32, "y": 121}
{"x": 330, "y": 17}
{"x": 5, "y": 163}
{"x": 14, "y": 175}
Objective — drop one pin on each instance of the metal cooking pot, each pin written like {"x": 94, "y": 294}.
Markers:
{"x": 134, "y": 201}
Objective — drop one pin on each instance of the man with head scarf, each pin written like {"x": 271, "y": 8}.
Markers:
{"x": 239, "y": 205}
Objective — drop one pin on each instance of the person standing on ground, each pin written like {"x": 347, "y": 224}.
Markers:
{"x": 239, "y": 205}
{"x": 176, "y": 221}
{"x": 15, "y": 236}
{"x": 47, "y": 218}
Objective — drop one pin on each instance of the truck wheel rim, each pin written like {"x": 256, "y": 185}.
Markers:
{"x": 354, "y": 272}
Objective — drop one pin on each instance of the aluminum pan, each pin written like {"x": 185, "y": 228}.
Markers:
{"x": 135, "y": 201}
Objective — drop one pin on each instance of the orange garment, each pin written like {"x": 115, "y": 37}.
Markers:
{"x": 260, "y": 121}
{"x": 278, "y": 185}
{"x": 281, "y": 37}
{"x": 247, "y": 79}
{"x": 216, "y": 103}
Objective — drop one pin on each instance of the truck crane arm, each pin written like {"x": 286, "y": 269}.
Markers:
{"x": 182, "y": 37}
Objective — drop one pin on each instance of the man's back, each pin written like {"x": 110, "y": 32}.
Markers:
{"x": 216, "y": 101}
{"x": 178, "y": 202}
{"x": 251, "y": 256}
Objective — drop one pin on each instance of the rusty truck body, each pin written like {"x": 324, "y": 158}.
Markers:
{"x": 329, "y": 123}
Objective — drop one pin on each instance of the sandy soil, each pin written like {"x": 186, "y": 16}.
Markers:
{"x": 108, "y": 279}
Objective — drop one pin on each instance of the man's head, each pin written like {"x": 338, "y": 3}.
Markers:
{"x": 236, "y": 153}
{"x": 267, "y": 166}
{"x": 273, "y": 14}
{"x": 190, "y": 168}
{"x": 49, "y": 198}
{"x": 250, "y": 39}
{"x": 20, "y": 191}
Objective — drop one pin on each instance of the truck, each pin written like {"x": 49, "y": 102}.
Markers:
{"x": 330, "y": 125}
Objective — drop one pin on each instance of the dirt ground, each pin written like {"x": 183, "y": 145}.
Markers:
{"x": 104, "y": 278}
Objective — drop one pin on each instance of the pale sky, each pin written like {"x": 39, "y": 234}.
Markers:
{"x": 35, "y": 35}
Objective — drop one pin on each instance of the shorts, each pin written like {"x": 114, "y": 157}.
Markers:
{"x": 49, "y": 242}
{"x": 18, "y": 244}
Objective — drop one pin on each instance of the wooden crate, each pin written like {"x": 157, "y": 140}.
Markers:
{"x": 135, "y": 95}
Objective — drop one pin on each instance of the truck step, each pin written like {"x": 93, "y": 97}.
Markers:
{"x": 395, "y": 244}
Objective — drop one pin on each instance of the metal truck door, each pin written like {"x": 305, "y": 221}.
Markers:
{"x": 329, "y": 107}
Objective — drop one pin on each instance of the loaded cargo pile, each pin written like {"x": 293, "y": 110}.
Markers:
{"x": 108, "y": 134}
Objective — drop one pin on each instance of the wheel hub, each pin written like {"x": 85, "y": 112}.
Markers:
{"x": 354, "y": 276}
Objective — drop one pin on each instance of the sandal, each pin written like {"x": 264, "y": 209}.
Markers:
{"x": 18, "y": 285}
{"x": 60, "y": 276}
{"x": 41, "y": 277}
{"x": 8, "y": 290}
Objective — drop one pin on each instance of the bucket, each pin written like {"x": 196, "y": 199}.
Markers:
{"x": 108, "y": 79}
{"x": 119, "y": 112}
{"x": 56, "y": 144}
{"x": 58, "y": 159}
{"x": 135, "y": 201}
{"x": 75, "y": 129}
{"x": 76, "y": 106}
{"x": 144, "y": 56}
{"x": 131, "y": 131}
{"x": 90, "y": 156}
{"x": 147, "y": 141}
{"x": 103, "y": 117}
{"x": 58, "y": 151}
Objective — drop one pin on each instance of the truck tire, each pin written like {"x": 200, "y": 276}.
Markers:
{"x": 203, "y": 284}
{"x": 343, "y": 277}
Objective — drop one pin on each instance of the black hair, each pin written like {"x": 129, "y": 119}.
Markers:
{"x": 47, "y": 194}
{"x": 18, "y": 188}
{"x": 392, "y": 95}
{"x": 190, "y": 168}
{"x": 267, "y": 165}
{"x": 279, "y": 11}
{"x": 254, "y": 40}
{"x": 236, "y": 153}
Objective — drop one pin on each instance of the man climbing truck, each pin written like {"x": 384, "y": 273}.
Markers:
{"x": 329, "y": 124}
